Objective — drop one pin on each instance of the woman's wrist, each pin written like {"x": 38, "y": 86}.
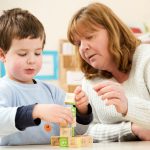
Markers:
{"x": 134, "y": 129}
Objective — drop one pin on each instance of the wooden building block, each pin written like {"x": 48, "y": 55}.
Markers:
{"x": 54, "y": 140}
{"x": 70, "y": 98}
{"x": 63, "y": 141}
{"x": 77, "y": 141}
{"x": 73, "y": 131}
{"x": 74, "y": 122}
{"x": 74, "y": 142}
{"x": 71, "y": 88}
{"x": 86, "y": 140}
{"x": 73, "y": 111}
{"x": 65, "y": 132}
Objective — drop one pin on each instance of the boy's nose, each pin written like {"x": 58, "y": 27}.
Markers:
{"x": 31, "y": 60}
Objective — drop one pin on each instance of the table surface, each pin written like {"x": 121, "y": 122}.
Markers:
{"x": 96, "y": 146}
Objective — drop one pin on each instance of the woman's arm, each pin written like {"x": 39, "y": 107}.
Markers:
{"x": 139, "y": 107}
{"x": 111, "y": 132}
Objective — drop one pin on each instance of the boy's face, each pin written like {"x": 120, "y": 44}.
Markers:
{"x": 24, "y": 59}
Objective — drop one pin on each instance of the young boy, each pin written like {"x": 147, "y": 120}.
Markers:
{"x": 27, "y": 104}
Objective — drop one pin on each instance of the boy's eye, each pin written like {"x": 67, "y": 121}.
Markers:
{"x": 37, "y": 54}
{"x": 22, "y": 54}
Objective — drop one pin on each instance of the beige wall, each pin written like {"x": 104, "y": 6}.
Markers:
{"x": 55, "y": 14}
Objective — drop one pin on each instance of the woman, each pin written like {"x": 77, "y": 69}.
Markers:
{"x": 117, "y": 74}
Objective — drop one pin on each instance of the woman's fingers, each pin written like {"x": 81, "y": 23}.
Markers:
{"x": 111, "y": 95}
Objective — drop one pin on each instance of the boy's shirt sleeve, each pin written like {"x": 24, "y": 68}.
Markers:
{"x": 7, "y": 117}
{"x": 7, "y": 113}
{"x": 85, "y": 119}
{"x": 24, "y": 118}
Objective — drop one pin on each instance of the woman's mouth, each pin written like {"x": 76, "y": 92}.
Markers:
{"x": 90, "y": 57}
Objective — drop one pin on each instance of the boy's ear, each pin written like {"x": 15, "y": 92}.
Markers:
{"x": 2, "y": 55}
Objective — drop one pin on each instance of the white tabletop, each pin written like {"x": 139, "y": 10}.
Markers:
{"x": 96, "y": 146}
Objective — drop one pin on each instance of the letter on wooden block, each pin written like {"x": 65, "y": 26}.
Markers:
{"x": 74, "y": 142}
{"x": 63, "y": 141}
{"x": 54, "y": 140}
{"x": 70, "y": 98}
{"x": 65, "y": 132}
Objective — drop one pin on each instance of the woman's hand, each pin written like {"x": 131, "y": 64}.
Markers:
{"x": 141, "y": 133}
{"x": 52, "y": 113}
{"x": 81, "y": 100}
{"x": 113, "y": 94}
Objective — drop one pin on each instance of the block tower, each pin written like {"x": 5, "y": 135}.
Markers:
{"x": 67, "y": 136}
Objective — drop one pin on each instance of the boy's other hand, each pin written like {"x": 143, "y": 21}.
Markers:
{"x": 81, "y": 100}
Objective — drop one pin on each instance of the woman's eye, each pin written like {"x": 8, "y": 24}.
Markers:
{"x": 77, "y": 43}
{"x": 89, "y": 37}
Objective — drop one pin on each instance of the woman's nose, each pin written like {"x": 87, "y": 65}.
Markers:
{"x": 84, "y": 46}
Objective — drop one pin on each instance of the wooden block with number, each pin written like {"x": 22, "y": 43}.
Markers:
{"x": 86, "y": 140}
{"x": 74, "y": 141}
{"x": 73, "y": 111}
{"x": 65, "y": 132}
{"x": 70, "y": 98}
{"x": 74, "y": 122}
{"x": 54, "y": 140}
{"x": 63, "y": 141}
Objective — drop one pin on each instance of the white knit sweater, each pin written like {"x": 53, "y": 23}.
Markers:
{"x": 108, "y": 124}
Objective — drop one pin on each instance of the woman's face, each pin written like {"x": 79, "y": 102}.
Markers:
{"x": 93, "y": 48}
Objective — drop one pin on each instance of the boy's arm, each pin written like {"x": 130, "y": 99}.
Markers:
{"x": 83, "y": 121}
{"x": 24, "y": 117}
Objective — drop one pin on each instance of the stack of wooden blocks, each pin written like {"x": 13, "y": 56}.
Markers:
{"x": 67, "y": 136}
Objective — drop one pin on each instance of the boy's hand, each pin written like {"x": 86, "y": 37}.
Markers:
{"x": 52, "y": 113}
{"x": 114, "y": 94}
{"x": 81, "y": 100}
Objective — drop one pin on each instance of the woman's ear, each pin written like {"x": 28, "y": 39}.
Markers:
{"x": 2, "y": 56}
